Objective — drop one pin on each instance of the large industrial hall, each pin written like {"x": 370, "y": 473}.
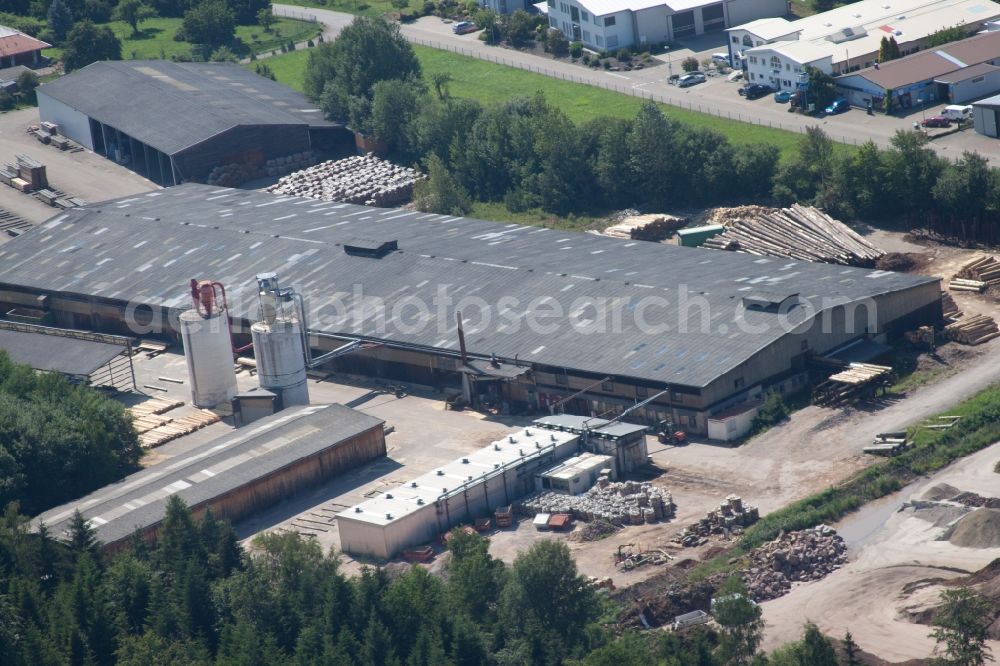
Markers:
{"x": 175, "y": 121}
{"x": 506, "y": 312}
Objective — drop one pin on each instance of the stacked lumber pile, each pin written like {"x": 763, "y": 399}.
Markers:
{"x": 154, "y": 406}
{"x": 972, "y": 330}
{"x": 365, "y": 180}
{"x": 799, "y": 232}
{"x": 178, "y": 427}
{"x": 653, "y": 228}
{"x": 949, "y": 309}
{"x": 32, "y": 172}
{"x": 861, "y": 373}
{"x": 976, "y": 275}
{"x": 858, "y": 381}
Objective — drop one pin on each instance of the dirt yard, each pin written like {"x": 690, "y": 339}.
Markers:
{"x": 898, "y": 562}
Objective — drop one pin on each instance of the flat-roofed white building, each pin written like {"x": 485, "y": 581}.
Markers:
{"x": 613, "y": 24}
{"x": 847, "y": 38}
{"x": 575, "y": 475}
{"x": 459, "y": 492}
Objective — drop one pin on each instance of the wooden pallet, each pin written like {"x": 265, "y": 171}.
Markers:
{"x": 178, "y": 427}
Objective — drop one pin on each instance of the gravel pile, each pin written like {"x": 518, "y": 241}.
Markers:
{"x": 624, "y": 503}
{"x": 979, "y": 529}
{"x": 796, "y": 556}
{"x": 365, "y": 180}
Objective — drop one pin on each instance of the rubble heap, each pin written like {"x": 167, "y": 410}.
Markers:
{"x": 796, "y": 556}
{"x": 730, "y": 515}
{"x": 622, "y": 503}
{"x": 365, "y": 180}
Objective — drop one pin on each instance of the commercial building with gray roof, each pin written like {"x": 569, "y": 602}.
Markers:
{"x": 233, "y": 475}
{"x": 613, "y": 320}
{"x": 176, "y": 121}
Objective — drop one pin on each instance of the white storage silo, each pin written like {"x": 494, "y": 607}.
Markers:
{"x": 208, "y": 351}
{"x": 278, "y": 343}
{"x": 281, "y": 366}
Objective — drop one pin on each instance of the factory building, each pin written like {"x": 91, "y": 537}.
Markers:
{"x": 521, "y": 318}
{"x": 235, "y": 475}
{"x": 176, "y": 121}
{"x": 459, "y": 492}
{"x": 624, "y": 442}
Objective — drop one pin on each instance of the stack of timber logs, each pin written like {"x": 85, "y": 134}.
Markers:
{"x": 177, "y": 427}
{"x": 949, "y": 309}
{"x": 855, "y": 382}
{"x": 972, "y": 330}
{"x": 976, "y": 275}
{"x": 799, "y": 232}
{"x": 653, "y": 228}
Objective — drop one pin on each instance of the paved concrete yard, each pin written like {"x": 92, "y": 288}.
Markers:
{"x": 82, "y": 174}
{"x": 424, "y": 437}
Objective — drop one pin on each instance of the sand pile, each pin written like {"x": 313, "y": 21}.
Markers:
{"x": 979, "y": 529}
{"x": 941, "y": 491}
{"x": 940, "y": 515}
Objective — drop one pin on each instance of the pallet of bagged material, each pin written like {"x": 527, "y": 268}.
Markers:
{"x": 20, "y": 184}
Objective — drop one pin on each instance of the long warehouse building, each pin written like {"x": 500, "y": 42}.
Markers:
{"x": 176, "y": 121}
{"x": 234, "y": 475}
{"x": 594, "y": 323}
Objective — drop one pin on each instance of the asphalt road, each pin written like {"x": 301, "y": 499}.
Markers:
{"x": 717, "y": 96}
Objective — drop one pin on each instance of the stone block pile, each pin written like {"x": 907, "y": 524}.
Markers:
{"x": 796, "y": 556}
{"x": 366, "y": 180}
{"x": 619, "y": 503}
{"x": 732, "y": 514}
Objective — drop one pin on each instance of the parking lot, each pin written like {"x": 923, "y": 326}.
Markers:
{"x": 717, "y": 96}
{"x": 78, "y": 173}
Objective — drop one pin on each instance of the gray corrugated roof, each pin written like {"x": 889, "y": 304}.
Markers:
{"x": 232, "y": 462}
{"x": 967, "y": 73}
{"x": 175, "y": 105}
{"x": 146, "y": 249}
{"x": 69, "y": 356}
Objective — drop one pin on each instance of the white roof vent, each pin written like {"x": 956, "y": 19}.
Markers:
{"x": 465, "y": 461}
{"x": 897, "y": 32}
{"x": 358, "y": 509}
{"x": 856, "y": 15}
{"x": 511, "y": 439}
{"x": 388, "y": 495}
{"x": 413, "y": 484}
{"x": 440, "y": 472}
{"x": 538, "y": 445}
{"x": 388, "y": 516}
{"x": 420, "y": 501}
{"x": 901, "y": 17}
{"x": 553, "y": 437}
{"x": 496, "y": 447}
{"x": 527, "y": 432}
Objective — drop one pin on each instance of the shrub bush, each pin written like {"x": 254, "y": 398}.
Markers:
{"x": 689, "y": 64}
{"x": 576, "y": 49}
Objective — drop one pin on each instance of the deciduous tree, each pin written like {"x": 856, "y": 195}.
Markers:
{"x": 960, "y": 627}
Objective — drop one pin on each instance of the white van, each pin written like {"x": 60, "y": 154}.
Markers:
{"x": 957, "y": 112}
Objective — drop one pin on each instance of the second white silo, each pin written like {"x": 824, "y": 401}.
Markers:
{"x": 281, "y": 366}
{"x": 278, "y": 344}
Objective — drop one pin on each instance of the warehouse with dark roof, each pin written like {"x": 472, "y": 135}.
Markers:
{"x": 176, "y": 121}
{"x": 546, "y": 315}
{"x": 234, "y": 475}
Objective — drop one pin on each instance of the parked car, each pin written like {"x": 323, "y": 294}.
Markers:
{"x": 957, "y": 112}
{"x": 691, "y": 79}
{"x": 755, "y": 90}
{"x": 936, "y": 121}
{"x": 463, "y": 28}
{"x": 783, "y": 96}
{"x": 721, "y": 59}
{"x": 837, "y": 106}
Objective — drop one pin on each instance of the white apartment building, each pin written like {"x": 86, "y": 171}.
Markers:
{"x": 614, "y": 24}
{"x": 847, "y": 38}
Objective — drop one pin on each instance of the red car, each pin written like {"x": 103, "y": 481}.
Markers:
{"x": 936, "y": 121}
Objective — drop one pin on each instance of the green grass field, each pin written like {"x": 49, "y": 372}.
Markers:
{"x": 490, "y": 83}
{"x": 361, "y": 7}
{"x": 156, "y": 37}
